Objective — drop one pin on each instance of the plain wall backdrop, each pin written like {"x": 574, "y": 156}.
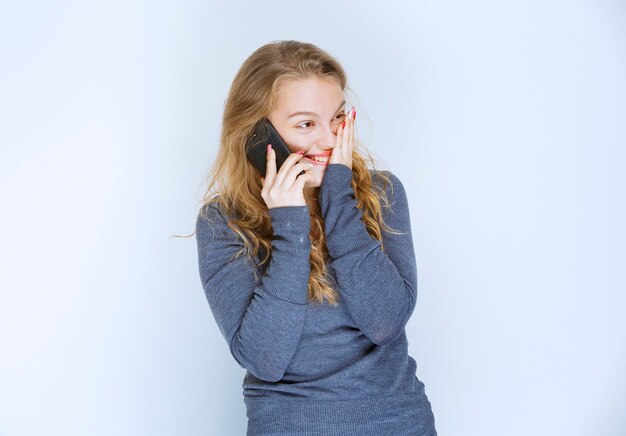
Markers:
{"x": 505, "y": 121}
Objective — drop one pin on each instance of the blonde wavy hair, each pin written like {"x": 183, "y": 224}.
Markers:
{"x": 234, "y": 183}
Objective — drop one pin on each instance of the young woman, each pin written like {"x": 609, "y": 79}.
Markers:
{"x": 310, "y": 271}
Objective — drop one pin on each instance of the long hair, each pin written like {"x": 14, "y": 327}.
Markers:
{"x": 234, "y": 184}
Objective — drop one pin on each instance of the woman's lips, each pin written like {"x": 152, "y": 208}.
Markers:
{"x": 316, "y": 162}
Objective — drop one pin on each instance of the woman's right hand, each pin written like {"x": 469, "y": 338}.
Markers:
{"x": 285, "y": 188}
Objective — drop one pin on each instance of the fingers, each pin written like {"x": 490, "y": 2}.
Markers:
{"x": 351, "y": 132}
{"x": 288, "y": 171}
{"x": 291, "y": 160}
{"x": 345, "y": 139}
{"x": 301, "y": 180}
{"x": 340, "y": 131}
{"x": 292, "y": 174}
{"x": 270, "y": 168}
{"x": 336, "y": 155}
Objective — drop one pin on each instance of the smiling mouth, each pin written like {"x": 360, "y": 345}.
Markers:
{"x": 319, "y": 160}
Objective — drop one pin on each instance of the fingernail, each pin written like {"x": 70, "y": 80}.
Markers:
{"x": 300, "y": 152}
{"x": 343, "y": 124}
{"x": 269, "y": 147}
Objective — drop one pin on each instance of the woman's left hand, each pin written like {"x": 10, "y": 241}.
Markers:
{"x": 342, "y": 153}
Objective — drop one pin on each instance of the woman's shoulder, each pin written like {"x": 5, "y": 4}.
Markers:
{"x": 216, "y": 214}
{"x": 387, "y": 181}
{"x": 212, "y": 213}
{"x": 210, "y": 207}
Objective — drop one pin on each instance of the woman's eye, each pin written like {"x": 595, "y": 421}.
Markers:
{"x": 339, "y": 117}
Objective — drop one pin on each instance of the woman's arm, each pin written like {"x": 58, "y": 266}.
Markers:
{"x": 379, "y": 288}
{"x": 262, "y": 323}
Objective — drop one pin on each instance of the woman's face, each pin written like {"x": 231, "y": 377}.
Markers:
{"x": 307, "y": 115}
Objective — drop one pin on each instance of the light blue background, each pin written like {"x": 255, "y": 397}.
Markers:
{"x": 506, "y": 122}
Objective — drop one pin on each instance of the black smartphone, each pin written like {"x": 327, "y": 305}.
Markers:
{"x": 256, "y": 148}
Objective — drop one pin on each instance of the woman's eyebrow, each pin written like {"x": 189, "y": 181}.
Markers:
{"x": 313, "y": 113}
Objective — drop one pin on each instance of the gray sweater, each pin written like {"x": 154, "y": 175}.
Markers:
{"x": 316, "y": 368}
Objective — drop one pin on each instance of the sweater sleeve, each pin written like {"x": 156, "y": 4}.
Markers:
{"x": 379, "y": 288}
{"x": 262, "y": 321}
